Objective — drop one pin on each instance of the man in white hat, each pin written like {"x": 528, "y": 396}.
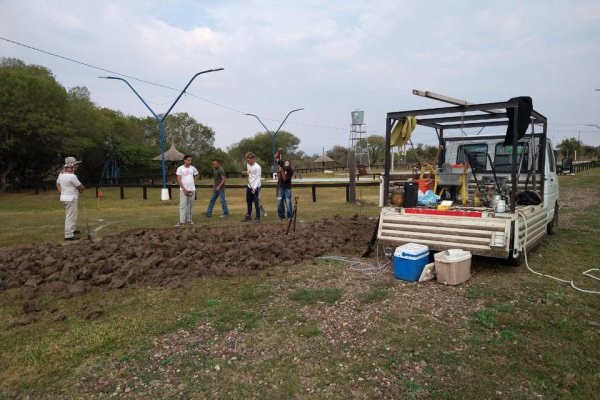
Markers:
{"x": 69, "y": 187}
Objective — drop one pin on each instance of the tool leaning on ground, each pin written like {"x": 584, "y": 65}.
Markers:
{"x": 87, "y": 222}
{"x": 294, "y": 214}
{"x": 262, "y": 209}
{"x": 189, "y": 202}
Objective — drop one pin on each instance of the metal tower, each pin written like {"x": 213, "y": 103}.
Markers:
{"x": 358, "y": 139}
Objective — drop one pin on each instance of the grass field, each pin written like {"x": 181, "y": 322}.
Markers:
{"x": 30, "y": 218}
{"x": 316, "y": 330}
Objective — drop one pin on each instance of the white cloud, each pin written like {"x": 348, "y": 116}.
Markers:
{"x": 327, "y": 56}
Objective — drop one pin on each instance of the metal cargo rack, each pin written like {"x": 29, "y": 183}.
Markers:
{"x": 444, "y": 119}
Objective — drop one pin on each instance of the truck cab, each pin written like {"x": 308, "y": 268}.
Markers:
{"x": 493, "y": 156}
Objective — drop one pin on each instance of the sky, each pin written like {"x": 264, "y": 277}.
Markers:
{"x": 328, "y": 57}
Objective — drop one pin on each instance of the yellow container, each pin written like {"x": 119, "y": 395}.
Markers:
{"x": 444, "y": 205}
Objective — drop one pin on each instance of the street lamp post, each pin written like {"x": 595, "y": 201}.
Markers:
{"x": 161, "y": 119}
{"x": 273, "y": 134}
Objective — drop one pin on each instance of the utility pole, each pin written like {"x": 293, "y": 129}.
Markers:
{"x": 164, "y": 195}
{"x": 273, "y": 134}
{"x": 352, "y": 177}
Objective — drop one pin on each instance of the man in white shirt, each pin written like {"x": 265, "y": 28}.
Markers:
{"x": 254, "y": 174}
{"x": 186, "y": 177}
{"x": 69, "y": 187}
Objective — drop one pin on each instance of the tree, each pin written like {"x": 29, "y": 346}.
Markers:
{"x": 339, "y": 154}
{"x": 374, "y": 145}
{"x": 182, "y": 130}
{"x": 261, "y": 146}
{"x": 91, "y": 128}
{"x": 421, "y": 154}
{"x": 124, "y": 145}
{"x": 568, "y": 147}
{"x": 33, "y": 129}
{"x": 106, "y": 136}
{"x": 589, "y": 152}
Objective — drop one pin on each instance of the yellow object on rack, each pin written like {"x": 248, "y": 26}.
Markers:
{"x": 402, "y": 131}
{"x": 454, "y": 179}
{"x": 444, "y": 205}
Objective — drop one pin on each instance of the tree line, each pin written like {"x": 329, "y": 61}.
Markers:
{"x": 41, "y": 123}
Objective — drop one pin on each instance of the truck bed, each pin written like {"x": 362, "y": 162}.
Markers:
{"x": 481, "y": 232}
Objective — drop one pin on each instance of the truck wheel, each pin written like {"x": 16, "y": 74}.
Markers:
{"x": 552, "y": 226}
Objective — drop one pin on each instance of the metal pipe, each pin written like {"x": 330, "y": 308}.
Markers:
{"x": 448, "y": 99}
{"x": 386, "y": 173}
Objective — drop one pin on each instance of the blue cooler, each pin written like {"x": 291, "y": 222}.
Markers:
{"x": 409, "y": 261}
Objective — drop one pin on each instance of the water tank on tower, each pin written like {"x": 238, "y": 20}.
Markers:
{"x": 357, "y": 117}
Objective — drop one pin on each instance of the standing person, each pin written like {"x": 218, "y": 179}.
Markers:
{"x": 69, "y": 187}
{"x": 186, "y": 177}
{"x": 254, "y": 173}
{"x": 218, "y": 190}
{"x": 284, "y": 183}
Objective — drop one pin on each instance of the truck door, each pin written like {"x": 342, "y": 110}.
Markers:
{"x": 551, "y": 182}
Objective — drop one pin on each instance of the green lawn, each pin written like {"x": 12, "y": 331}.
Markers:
{"x": 316, "y": 330}
{"x": 30, "y": 218}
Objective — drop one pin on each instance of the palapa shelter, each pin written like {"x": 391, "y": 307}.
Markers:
{"x": 324, "y": 159}
{"x": 171, "y": 155}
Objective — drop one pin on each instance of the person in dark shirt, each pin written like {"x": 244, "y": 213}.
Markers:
{"x": 284, "y": 183}
{"x": 218, "y": 190}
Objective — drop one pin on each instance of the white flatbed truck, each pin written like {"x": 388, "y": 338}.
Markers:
{"x": 521, "y": 178}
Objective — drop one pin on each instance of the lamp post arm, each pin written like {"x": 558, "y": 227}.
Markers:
{"x": 185, "y": 88}
{"x": 134, "y": 91}
{"x": 264, "y": 126}
{"x": 286, "y": 117}
{"x": 274, "y": 133}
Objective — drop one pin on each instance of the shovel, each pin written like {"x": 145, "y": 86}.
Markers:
{"x": 87, "y": 222}
{"x": 294, "y": 213}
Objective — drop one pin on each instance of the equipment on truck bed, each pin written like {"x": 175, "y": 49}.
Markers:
{"x": 494, "y": 180}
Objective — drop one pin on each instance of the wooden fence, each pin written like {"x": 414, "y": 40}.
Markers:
{"x": 584, "y": 166}
{"x": 170, "y": 188}
{"x": 45, "y": 185}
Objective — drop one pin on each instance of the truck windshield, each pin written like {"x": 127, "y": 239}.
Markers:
{"x": 503, "y": 156}
{"x": 481, "y": 157}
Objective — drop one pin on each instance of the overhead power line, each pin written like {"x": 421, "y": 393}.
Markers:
{"x": 226, "y": 107}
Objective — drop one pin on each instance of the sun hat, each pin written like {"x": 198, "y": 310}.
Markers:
{"x": 70, "y": 161}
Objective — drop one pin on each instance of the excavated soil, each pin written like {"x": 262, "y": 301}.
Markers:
{"x": 172, "y": 257}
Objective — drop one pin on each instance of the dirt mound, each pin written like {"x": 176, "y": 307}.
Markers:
{"x": 169, "y": 257}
